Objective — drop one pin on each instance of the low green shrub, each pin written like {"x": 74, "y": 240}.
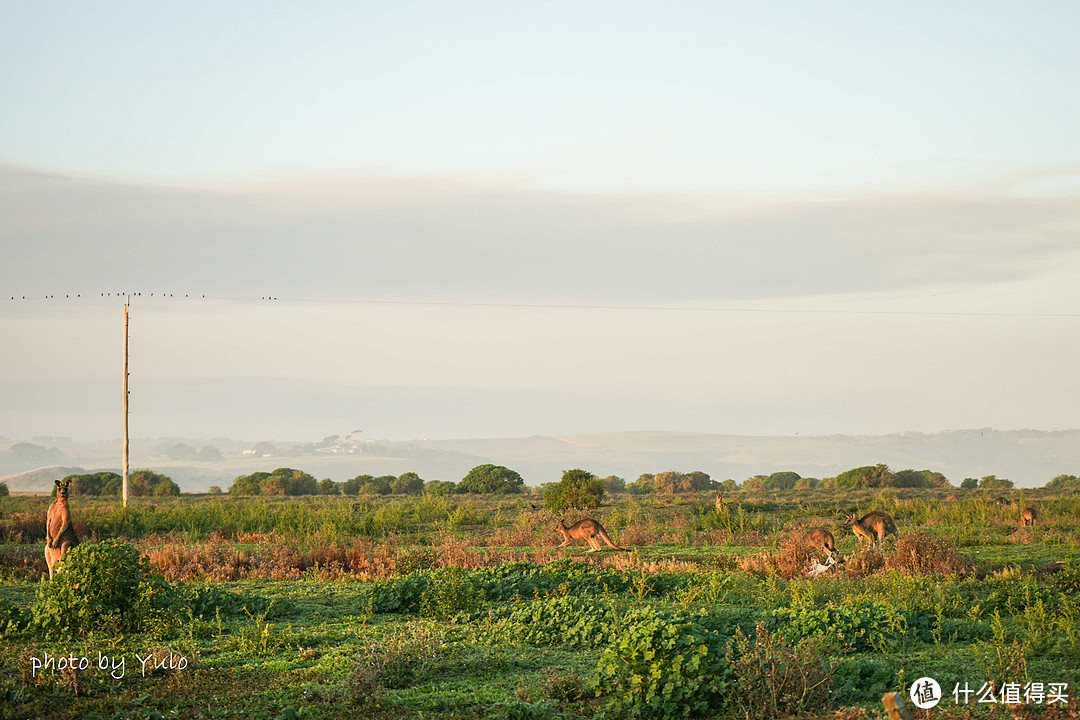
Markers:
{"x": 208, "y": 601}
{"x": 515, "y": 581}
{"x": 450, "y": 592}
{"x": 13, "y": 618}
{"x": 108, "y": 587}
{"x": 564, "y": 576}
{"x": 863, "y": 680}
{"x": 566, "y": 620}
{"x": 520, "y": 710}
{"x": 664, "y": 665}
{"x": 863, "y": 627}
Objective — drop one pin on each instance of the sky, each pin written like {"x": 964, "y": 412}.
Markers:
{"x": 490, "y": 219}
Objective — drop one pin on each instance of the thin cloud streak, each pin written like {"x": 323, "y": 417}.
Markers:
{"x": 439, "y": 238}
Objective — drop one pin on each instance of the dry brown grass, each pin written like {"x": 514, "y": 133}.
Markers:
{"x": 27, "y": 526}
{"x": 514, "y": 536}
{"x": 789, "y": 561}
{"x": 275, "y": 559}
{"x": 863, "y": 563}
{"x": 922, "y": 554}
{"x": 634, "y": 536}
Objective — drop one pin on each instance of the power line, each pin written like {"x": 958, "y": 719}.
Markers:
{"x": 564, "y": 306}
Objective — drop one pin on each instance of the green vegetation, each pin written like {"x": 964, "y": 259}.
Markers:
{"x": 141, "y": 483}
{"x": 460, "y": 606}
{"x": 491, "y": 479}
{"x": 104, "y": 587}
{"x": 578, "y": 489}
{"x": 283, "y": 481}
{"x": 671, "y": 482}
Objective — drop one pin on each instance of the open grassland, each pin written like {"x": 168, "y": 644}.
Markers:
{"x": 463, "y": 607}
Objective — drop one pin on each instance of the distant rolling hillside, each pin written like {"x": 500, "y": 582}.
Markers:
{"x": 40, "y": 480}
{"x": 1029, "y": 458}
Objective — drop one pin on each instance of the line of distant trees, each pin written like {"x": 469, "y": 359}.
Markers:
{"x": 577, "y": 483}
{"x": 578, "y": 488}
{"x": 486, "y": 479}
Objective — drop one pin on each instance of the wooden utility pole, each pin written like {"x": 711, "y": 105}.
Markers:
{"x": 127, "y": 299}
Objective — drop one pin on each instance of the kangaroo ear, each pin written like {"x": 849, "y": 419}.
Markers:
{"x": 57, "y": 483}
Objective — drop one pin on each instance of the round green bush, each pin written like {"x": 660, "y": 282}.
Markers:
{"x": 665, "y": 665}
{"x": 105, "y": 587}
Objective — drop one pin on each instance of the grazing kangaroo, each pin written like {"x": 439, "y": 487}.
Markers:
{"x": 587, "y": 530}
{"x": 1027, "y": 517}
{"x": 822, "y": 540}
{"x": 1002, "y": 501}
{"x": 60, "y": 535}
{"x": 870, "y": 524}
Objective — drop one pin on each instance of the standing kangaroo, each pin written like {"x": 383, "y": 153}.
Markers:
{"x": 822, "y": 540}
{"x": 870, "y": 524}
{"x": 60, "y": 535}
{"x": 1027, "y": 517}
{"x": 587, "y": 530}
{"x": 720, "y": 502}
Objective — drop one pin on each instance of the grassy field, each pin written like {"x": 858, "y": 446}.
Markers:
{"x": 463, "y": 607}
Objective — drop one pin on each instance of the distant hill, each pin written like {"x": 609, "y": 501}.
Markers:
{"x": 40, "y": 480}
{"x": 1030, "y": 458}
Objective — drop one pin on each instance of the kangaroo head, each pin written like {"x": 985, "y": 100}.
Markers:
{"x": 851, "y": 520}
{"x": 62, "y": 490}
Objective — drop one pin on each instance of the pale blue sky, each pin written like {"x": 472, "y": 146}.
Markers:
{"x": 809, "y": 159}
{"x": 576, "y": 95}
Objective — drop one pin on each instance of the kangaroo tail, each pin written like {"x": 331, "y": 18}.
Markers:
{"x": 604, "y": 536}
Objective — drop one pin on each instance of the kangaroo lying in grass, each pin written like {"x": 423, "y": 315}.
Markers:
{"x": 587, "y": 530}
{"x": 60, "y": 536}
{"x": 871, "y": 524}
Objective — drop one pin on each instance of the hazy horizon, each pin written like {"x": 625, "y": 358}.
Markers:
{"x": 486, "y": 221}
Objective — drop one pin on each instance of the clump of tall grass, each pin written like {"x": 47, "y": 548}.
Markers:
{"x": 19, "y": 562}
{"x": 922, "y": 554}
{"x": 25, "y": 526}
{"x": 273, "y": 558}
{"x": 778, "y": 678}
{"x": 863, "y": 563}
{"x": 513, "y": 537}
{"x": 211, "y": 561}
{"x": 790, "y": 560}
{"x": 635, "y": 536}
{"x": 431, "y": 508}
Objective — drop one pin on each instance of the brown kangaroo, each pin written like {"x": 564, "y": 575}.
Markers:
{"x": 870, "y": 524}
{"x": 1027, "y": 517}
{"x": 720, "y": 502}
{"x": 587, "y": 530}
{"x": 60, "y": 535}
{"x": 822, "y": 540}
